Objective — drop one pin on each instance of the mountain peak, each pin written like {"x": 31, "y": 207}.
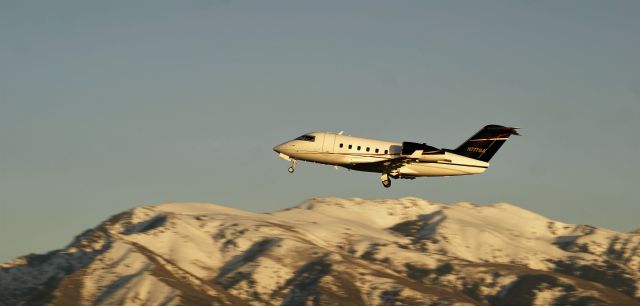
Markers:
{"x": 191, "y": 208}
{"x": 345, "y": 202}
{"x": 406, "y": 251}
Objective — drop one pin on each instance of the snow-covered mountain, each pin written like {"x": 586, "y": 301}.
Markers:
{"x": 332, "y": 251}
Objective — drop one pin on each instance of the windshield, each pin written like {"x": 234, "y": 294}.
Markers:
{"x": 307, "y": 138}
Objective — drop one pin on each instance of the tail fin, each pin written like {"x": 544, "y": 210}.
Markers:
{"x": 486, "y": 142}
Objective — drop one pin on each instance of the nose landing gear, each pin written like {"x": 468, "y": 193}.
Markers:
{"x": 386, "y": 180}
{"x": 293, "y": 166}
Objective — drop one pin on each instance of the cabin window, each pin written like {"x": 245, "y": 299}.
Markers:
{"x": 350, "y": 146}
{"x": 358, "y": 148}
{"x": 377, "y": 150}
{"x": 341, "y": 145}
{"x": 386, "y": 151}
{"x": 307, "y": 138}
{"x": 367, "y": 149}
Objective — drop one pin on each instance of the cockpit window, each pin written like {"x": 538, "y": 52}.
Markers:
{"x": 307, "y": 138}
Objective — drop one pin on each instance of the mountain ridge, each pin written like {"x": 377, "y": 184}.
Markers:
{"x": 406, "y": 251}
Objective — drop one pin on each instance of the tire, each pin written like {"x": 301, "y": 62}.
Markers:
{"x": 291, "y": 169}
{"x": 386, "y": 183}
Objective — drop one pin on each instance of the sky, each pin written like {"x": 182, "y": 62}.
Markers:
{"x": 109, "y": 105}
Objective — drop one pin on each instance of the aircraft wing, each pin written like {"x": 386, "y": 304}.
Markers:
{"x": 383, "y": 166}
{"x": 396, "y": 163}
{"x": 393, "y": 164}
{"x": 399, "y": 162}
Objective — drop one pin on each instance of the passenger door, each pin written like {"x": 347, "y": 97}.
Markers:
{"x": 329, "y": 142}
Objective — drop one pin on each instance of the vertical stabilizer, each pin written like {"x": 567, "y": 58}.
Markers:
{"x": 486, "y": 142}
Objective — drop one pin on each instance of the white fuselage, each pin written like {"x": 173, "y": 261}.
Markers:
{"x": 358, "y": 153}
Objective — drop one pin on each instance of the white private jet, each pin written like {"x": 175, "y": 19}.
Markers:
{"x": 406, "y": 160}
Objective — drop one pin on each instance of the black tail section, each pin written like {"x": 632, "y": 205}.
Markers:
{"x": 484, "y": 144}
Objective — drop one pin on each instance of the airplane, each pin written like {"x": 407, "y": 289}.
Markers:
{"x": 406, "y": 160}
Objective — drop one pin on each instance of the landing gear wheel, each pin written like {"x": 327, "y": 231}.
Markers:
{"x": 293, "y": 165}
{"x": 386, "y": 180}
{"x": 386, "y": 183}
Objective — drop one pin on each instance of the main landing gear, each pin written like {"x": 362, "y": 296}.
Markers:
{"x": 386, "y": 180}
{"x": 293, "y": 166}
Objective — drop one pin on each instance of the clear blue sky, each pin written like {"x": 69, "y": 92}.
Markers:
{"x": 113, "y": 104}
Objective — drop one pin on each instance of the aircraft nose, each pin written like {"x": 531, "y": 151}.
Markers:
{"x": 278, "y": 148}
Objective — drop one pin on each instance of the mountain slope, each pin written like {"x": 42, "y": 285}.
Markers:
{"x": 332, "y": 251}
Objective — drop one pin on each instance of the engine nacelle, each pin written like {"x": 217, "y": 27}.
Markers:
{"x": 434, "y": 158}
